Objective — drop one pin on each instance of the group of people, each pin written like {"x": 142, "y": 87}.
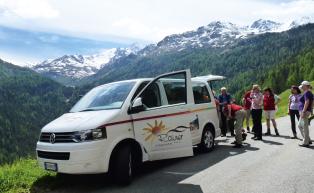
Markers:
{"x": 255, "y": 102}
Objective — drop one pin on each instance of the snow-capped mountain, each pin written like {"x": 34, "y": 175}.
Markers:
{"x": 214, "y": 35}
{"x": 79, "y": 66}
{"x": 262, "y": 26}
{"x": 220, "y": 34}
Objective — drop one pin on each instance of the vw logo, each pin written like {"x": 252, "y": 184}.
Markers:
{"x": 52, "y": 138}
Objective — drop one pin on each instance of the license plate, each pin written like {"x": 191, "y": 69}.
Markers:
{"x": 51, "y": 166}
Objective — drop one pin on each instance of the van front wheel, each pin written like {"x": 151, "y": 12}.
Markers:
{"x": 208, "y": 140}
{"x": 123, "y": 166}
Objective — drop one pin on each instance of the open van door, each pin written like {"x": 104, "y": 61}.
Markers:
{"x": 161, "y": 116}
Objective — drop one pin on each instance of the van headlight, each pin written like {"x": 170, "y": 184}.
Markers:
{"x": 90, "y": 135}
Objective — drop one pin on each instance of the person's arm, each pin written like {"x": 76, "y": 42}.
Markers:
{"x": 289, "y": 103}
{"x": 306, "y": 105}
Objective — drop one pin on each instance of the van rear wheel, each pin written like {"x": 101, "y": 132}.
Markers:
{"x": 208, "y": 140}
{"x": 122, "y": 170}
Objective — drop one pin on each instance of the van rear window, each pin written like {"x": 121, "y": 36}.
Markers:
{"x": 201, "y": 94}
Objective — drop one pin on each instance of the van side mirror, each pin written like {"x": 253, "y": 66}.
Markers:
{"x": 137, "y": 106}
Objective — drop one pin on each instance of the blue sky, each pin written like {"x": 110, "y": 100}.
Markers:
{"x": 127, "y": 21}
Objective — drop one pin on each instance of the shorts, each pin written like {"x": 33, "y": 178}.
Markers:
{"x": 270, "y": 114}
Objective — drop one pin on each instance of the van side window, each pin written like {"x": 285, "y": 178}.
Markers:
{"x": 201, "y": 94}
{"x": 151, "y": 96}
{"x": 175, "y": 88}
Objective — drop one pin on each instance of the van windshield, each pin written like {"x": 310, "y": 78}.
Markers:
{"x": 109, "y": 96}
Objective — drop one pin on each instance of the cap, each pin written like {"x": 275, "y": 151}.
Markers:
{"x": 305, "y": 83}
{"x": 223, "y": 88}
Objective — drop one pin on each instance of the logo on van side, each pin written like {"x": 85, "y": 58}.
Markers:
{"x": 152, "y": 131}
{"x": 165, "y": 135}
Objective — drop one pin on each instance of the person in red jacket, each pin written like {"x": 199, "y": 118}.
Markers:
{"x": 270, "y": 100}
{"x": 247, "y": 103}
{"x": 236, "y": 112}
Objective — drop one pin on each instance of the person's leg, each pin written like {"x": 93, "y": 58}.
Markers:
{"x": 253, "y": 113}
{"x": 223, "y": 124}
{"x": 231, "y": 126}
{"x": 247, "y": 119}
{"x": 259, "y": 124}
{"x": 272, "y": 116}
{"x": 275, "y": 126}
{"x": 292, "y": 119}
{"x": 306, "y": 139}
{"x": 300, "y": 126}
{"x": 238, "y": 126}
{"x": 267, "y": 123}
{"x": 297, "y": 114}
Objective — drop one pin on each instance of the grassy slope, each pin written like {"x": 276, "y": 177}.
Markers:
{"x": 283, "y": 105}
{"x": 23, "y": 177}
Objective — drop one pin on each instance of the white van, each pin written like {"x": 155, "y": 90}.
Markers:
{"x": 116, "y": 126}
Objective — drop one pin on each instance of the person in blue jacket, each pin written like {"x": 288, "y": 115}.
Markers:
{"x": 224, "y": 99}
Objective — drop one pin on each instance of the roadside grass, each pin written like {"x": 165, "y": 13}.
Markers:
{"x": 23, "y": 177}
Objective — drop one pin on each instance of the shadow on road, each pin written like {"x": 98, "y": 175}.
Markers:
{"x": 271, "y": 142}
{"x": 159, "y": 176}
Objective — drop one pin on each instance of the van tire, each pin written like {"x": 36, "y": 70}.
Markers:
{"x": 208, "y": 140}
{"x": 122, "y": 171}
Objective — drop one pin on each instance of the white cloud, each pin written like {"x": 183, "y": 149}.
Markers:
{"x": 137, "y": 29}
{"x": 142, "y": 19}
{"x": 27, "y": 9}
{"x": 287, "y": 11}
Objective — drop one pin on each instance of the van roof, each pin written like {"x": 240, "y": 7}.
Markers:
{"x": 205, "y": 78}
{"x": 209, "y": 77}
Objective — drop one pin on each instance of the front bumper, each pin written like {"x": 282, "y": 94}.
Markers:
{"x": 85, "y": 158}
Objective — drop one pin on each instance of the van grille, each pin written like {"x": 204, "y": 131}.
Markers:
{"x": 54, "y": 155}
{"x": 59, "y": 137}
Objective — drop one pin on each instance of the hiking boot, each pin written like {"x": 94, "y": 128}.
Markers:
{"x": 253, "y": 137}
{"x": 304, "y": 145}
{"x": 248, "y": 129}
{"x": 267, "y": 133}
{"x": 237, "y": 145}
{"x": 276, "y": 131}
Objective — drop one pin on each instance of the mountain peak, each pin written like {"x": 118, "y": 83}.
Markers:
{"x": 265, "y": 25}
{"x": 79, "y": 66}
